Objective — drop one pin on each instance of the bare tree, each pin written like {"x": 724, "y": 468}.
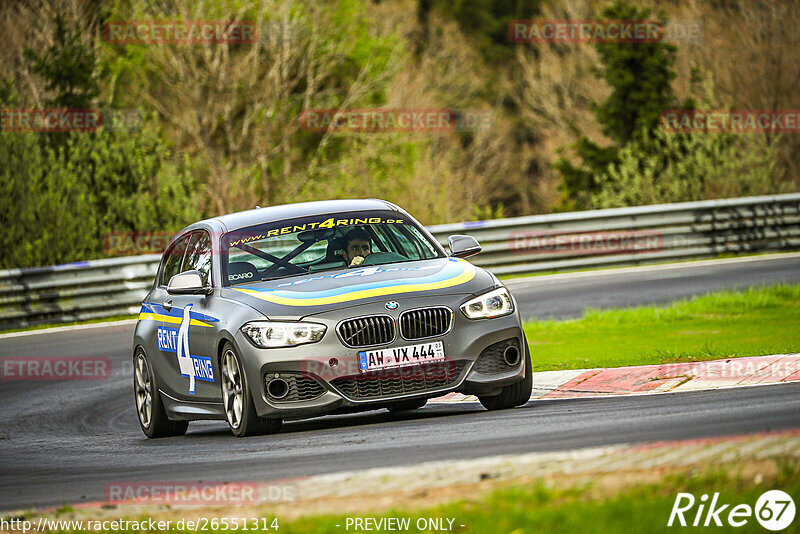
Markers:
{"x": 236, "y": 107}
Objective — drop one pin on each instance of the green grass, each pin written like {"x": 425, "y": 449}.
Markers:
{"x": 725, "y": 324}
{"x": 536, "y": 508}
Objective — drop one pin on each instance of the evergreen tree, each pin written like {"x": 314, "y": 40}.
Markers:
{"x": 640, "y": 75}
{"x": 485, "y": 21}
{"x": 68, "y": 66}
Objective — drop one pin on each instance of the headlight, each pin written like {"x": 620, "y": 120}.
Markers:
{"x": 495, "y": 303}
{"x": 270, "y": 334}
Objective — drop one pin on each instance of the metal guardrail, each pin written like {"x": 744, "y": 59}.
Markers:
{"x": 79, "y": 291}
{"x": 631, "y": 236}
{"x": 539, "y": 243}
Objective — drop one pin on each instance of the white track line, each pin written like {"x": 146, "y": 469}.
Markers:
{"x": 124, "y": 322}
{"x": 647, "y": 268}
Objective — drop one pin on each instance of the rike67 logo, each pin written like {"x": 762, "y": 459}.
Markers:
{"x": 774, "y": 510}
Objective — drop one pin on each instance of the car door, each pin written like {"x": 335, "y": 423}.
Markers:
{"x": 162, "y": 348}
{"x": 190, "y": 327}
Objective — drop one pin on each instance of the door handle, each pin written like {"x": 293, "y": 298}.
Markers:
{"x": 168, "y": 304}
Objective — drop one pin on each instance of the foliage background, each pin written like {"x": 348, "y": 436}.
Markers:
{"x": 217, "y": 126}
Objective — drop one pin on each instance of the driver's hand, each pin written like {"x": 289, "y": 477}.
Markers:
{"x": 357, "y": 260}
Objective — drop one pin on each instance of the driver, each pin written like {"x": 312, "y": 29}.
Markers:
{"x": 357, "y": 246}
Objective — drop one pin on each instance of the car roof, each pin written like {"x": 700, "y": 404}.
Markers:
{"x": 242, "y": 219}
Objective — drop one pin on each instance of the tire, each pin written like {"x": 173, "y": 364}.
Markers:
{"x": 237, "y": 399}
{"x": 150, "y": 410}
{"x": 515, "y": 394}
{"x": 407, "y": 406}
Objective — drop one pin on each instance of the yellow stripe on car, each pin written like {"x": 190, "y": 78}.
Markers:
{"x": 465, "y": 276}
{"x": 169, "y": 319}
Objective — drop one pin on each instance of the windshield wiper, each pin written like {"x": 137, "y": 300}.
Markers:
{"x": 268, "y": 278}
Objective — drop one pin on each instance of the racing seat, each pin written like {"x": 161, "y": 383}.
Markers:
{"x": 334, "y": 250}
{"x": 332, "y": 260}
{"x": 242, "y": 271}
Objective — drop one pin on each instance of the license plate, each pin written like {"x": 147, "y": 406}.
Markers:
{"x": 371, "y": 360}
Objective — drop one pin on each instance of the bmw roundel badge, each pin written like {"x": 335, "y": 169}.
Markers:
{"x": 392, "y": 305}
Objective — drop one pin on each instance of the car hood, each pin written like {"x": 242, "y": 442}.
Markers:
{"x": 316, "y": 293}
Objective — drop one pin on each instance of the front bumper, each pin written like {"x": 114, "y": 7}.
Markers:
{"x": 344, "y": 388}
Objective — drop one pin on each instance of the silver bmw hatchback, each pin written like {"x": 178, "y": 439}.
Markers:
{"x": 303, "y": 310}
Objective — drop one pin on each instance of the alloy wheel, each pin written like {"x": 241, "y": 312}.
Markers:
{"x": 232, "y": 394}
{"x": 144, "y": 390}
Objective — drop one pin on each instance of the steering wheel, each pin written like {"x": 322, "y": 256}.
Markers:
{"x": 377, "y": 258}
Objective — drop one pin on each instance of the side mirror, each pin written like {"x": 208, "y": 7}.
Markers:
{"x": 186, "y": 283}
{"x": 462, "y": 246}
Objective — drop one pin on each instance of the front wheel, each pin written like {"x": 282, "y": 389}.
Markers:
{"x": 152, "y": 415}
{"x": 515, "y": 394}
{"x": 237, "y": 399}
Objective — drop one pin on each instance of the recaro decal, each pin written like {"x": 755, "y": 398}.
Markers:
{"x": 240, "y": 276}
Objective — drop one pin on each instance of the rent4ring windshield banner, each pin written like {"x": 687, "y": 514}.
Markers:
{"x": 313, "y": 244}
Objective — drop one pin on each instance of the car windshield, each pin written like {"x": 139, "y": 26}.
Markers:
{"x": 322, "y": 243}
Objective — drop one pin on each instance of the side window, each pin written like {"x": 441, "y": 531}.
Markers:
{"x": 173, "y": 260}
{"x": 198, "y": 256}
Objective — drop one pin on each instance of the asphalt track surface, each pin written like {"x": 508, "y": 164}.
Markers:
{"x": 62, "y": 442}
